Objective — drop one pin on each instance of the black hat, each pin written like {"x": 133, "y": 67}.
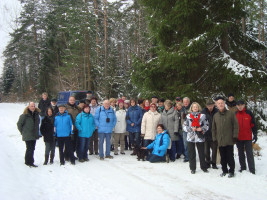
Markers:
{"x": 230, "y": 95}
{"x": 219, "y": 97}
{"x": 54, "y": 100}
{"x": 162, "y": 100}
{"x": 178, "y": 99}
{"x": 82, "y": 101}
{"x": 154, "y": 97}
{"x": 61, "y": 105}
{"x": 240, "y": 102}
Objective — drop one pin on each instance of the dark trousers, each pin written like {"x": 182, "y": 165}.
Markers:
{"x": 83, "y": 147}
{"x": 146, "y": 143}
{"x": 210, "y": 145}
{"x": 242, "y": 146}
{"x": 128, "y": 143}
{"x": 155, "y": 158}
{"x": 50, "y": 147}
{"x": 192, "y": 155}
{"x": 93, "y": 145}
{"x": 172, "y": 151}
{"x": 180, "y": 145}
{"x": 65, "y": 142}
{"x": 227, "y": 158}
{"x": 135, "y": 138}
{"x": 29, "y": 154}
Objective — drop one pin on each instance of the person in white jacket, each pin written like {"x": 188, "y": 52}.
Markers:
{"x": 120, "y": 129}
{"x": 149, "y": 124}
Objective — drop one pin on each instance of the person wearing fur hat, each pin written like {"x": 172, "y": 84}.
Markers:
{"x": 28, "y": 126}
{"x": 86, "y": 126}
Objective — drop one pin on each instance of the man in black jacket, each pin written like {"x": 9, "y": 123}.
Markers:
{"x": 210, "y": 111}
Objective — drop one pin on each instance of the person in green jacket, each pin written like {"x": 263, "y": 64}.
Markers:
{"x": 225, "y": 131}
{"x": 28, "y": 126}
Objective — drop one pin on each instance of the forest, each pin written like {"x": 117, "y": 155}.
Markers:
{"x": 138, "y": 48}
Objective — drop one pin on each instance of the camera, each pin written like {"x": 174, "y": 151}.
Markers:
{"x": 108, "y": 120}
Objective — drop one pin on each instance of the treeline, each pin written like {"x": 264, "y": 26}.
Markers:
{"x": 138, "y": 48}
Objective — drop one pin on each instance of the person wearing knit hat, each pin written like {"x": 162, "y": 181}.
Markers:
{"x": 231, "y": 103}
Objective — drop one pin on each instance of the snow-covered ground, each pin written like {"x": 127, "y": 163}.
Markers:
{"x": 121, "y": 178}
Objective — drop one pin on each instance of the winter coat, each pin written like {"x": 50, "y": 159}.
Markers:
{"x": 170, "y": 122}
{"x": 47, "y": 128}
{"x": 209, "y": 117}
{"x": 224, "y": 128}
{"x": 93, "y": 109}
{"x": 63, "y": 124}
{"x": 121, "y": 121}
{"x": 181, "y": 118}
{"x": 85, "y": 124}
{"x": 149, "y": 124}
{"x": 43, "y": 105}
{"x": 160, "y": 109}
{"x": 134, "y": 115}
{"x": 28, "y": 124}
{"x": 73, "y": 110}
{"x": 55, "y": 110}
{"x": 194, "y": 136}
{"x": 157, "y": 149}
{"x": 231, "y": 105}
{"x": 101, "y": 116}
{"x": 247, "y": 124}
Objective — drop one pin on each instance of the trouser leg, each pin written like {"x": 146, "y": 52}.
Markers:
{"x": 192, "y": 155}
{"x": 223, "y": 154}
{"x": 241, "y": 154}
{"x": 250, "y": 157}
{"x": 201, "y": 154}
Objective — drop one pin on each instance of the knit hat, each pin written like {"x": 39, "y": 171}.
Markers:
{"x": 61, "y": 105}
{"x": 230, "y": 95}
{"x": 120, "y": 101}
{"x": 240, "y": 102}
{"x": 219, "y": 97}
{"x": 54, "y": 100}
{"x": 209, "y": 101}
{"x": 178, "y": 99}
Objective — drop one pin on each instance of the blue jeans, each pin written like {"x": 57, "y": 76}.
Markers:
{"x": 180, "y": 145}
{"x": 185, "y": 146}
{"x": 83, "y": 147}
{"x": 155, "y": 158}
{"x": 172, "y": 151}
{"x": 102, "y": 137}
{"x": 135, "y": 138}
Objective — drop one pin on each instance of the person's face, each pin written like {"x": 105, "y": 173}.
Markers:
{"x": 106, "y": 105}
{"x": 113, "y": 103}
{"x": 72, "y": 100}
{"x": 231, "y": 98}
{"x": 126, "y": 105}
{"x": 146, "y": 104}
{"x": 179, "y": 107}
{"x": 93, "y": 102}
{"x": 153, "y": 108}
{"x": 81, "y": 105}
{"x": 132, "y": 103}
{"x": 167, "y": 107}
{"x": 210, "y": 107}
{"x": 49, "y": 112}
{"x": 220, "y": 104}
{"x": 159, "y": 129}
{"x": 61, "y": 109}
{"x": 154, "y": 100}
{"x": 86, "y": 110}
{"x": 121, "y": 105}
{"x": 53, "y": 103}
{"x": 32, "y": 106}
{"x": 186, "y": 102}
{"x": 44, "y": 96}
{"x": 123, "y": 98}
{"x": 161, "y": 104}
{"x": 195, "y": 108}
{"x": 241, "y": 107}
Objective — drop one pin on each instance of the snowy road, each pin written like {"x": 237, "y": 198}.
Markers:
{"x": 120, "y": 179}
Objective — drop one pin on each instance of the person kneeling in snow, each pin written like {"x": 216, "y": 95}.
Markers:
{"x": 159, "y": 146}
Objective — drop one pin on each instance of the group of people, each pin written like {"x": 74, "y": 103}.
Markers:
{"x": 165, "y": 130}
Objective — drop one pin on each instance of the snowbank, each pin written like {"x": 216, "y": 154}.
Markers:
{"x": 121, "y": 178}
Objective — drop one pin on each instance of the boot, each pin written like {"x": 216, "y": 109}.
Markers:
{"x": 52, "y": 158}
{"x": 46, "y": 159}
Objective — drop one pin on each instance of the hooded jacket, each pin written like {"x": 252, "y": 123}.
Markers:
{"x": 63, "y": 124}
{"x": 149, "y": 124}
{"x": 47, "y": 128}
{"x": 121, "y": 121}
{"x": 28, "y": 124}
{"x": 158, "y": 149}
{"x": 134, "y": 115}
{"x": 85, "y": 124}
{"x": 101, "y": 116}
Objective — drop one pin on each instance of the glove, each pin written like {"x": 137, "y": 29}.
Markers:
{"x": 255, "y": 138}
{"x": 72, "y": 137}
{"x": 176, "y": 133}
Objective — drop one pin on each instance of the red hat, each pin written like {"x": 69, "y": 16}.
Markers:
{"x": 120, "y": 101}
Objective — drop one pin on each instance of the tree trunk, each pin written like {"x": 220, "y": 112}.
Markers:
{"x": 106, "y": 37}
{"x": 96, "y": 30}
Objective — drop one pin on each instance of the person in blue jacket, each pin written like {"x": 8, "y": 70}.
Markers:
{"x": 64, "y": 133}
{"x": 105, "y": 121}
{"x": 86, "y": 125}
{"x": 134, "y": 117}
{"x": 159, "y": 146}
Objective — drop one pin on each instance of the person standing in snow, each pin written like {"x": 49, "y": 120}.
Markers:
{"x": 47, "y": 130}
{"x": 196, "y": 125}
{"x": 225, "y": 132}
{"x": 54, "y": 106}
{"x": 120, "y": 128}
{"x": 86, "y": 125}
{"x": 44, "y": 103}
{"x": 231, "y": 103}
{"x": 247, "y": 127}
{"x": 28, "y": 126}
{"x": 93, "y": 144}
{"x": 186, "y": 106}
{"x": 105, "y": 121}
{"x": 180, "y": 142}
{"x": 210, "y": 111}
{"x": 64, "y": 133}
{"x": 159, "y": 146}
